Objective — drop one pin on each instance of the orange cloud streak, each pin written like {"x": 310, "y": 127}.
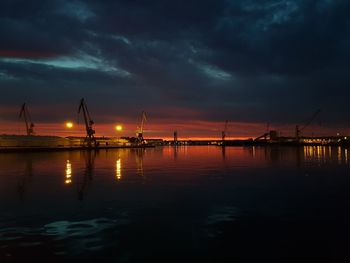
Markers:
{"x": 163, "y": 129}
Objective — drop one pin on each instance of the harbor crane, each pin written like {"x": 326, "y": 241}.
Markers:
{"x": 224, "y": 132}
{"x": 139, "y": 133}
{"x": 269, "y": 135}
{"x": 90, "y": 138}
{"x": 298, "y": 129}
{"x": 27, "y": 119}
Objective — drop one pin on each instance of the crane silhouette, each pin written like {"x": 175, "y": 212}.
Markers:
{"x": 90, "y": 138}
{"x": 298, "y": 129}
{"x": 27, "y": 119}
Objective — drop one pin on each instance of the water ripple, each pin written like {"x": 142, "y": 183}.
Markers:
{"x": 77, "y": 235}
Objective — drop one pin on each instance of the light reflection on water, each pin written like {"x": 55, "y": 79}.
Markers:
{"x": 68, "y": 173}
{"x": 78, "y": 235}
{"x": 129, "y": 163}
{"x": 172, "y": 160}
{"x": 100, "y": 200}
{"x": 326, "y": 154}
{"x": 118, "y": 172}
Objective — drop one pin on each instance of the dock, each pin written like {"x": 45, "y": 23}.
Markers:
{"x": 19, "y": 143}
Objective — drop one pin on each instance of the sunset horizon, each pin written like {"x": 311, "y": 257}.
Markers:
{"x": 175, "y": 131}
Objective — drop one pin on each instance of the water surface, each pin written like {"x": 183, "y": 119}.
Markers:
{"x": 184, "y": 204}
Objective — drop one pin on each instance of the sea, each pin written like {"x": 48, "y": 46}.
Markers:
{"x": 176, "y": 204}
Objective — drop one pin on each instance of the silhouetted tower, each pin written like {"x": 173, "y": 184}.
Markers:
{"x": 308, "y": 122}
{"x": 175, "y": 138}
{"x": 27, "y": 119}
{"x": 297, "y": 133}
{"x": 224, "y": 132}
{"x": 139, "y": 133}
{"x": 90, "y": 138}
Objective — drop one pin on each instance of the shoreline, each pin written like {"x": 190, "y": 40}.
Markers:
{"x": 20, "y": 149}
{"x": 30, "y": 149}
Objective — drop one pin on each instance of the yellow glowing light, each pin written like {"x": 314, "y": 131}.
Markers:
{"x": 68, "y": 172}
{"x": 346, "y": 156}
{"x": 118, "y": 169}
{"x": 118, "y": 127}
{"x": 69, "y": 125}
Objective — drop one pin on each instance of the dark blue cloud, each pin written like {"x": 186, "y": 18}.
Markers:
{"x": 252, "y": 61}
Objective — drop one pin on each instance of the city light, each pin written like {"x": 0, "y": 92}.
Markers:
{"x": 69, "y": 125}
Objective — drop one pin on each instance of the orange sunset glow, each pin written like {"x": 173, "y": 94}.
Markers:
{"x": 189, "y": 130}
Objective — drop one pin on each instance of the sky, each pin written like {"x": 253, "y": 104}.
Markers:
{"x": 190, "y": 65}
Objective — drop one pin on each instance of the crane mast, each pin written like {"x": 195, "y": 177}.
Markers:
{"x": 224, "y": 132}
{"x": 90, "y": 138}
{"x": 139, "y": 133}
{"x": 298, "y": 130}
{"x": 28, "y": 122}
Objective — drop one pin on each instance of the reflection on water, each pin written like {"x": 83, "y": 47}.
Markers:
{"x": 81, "y": 235}
{"x": 77, "y": 236}
{"x": 176, "y": 148}
{"x": 118, "y": 169}
{"x": 85, "y": 179}
{"x": 346, "y": 155}
{"x": 139, "y": 161}
{"x": 25, "y": 177}
{"x": 326, "y": 154}
{"x": 68, "y": 172}
{"x": 201, "y": 156}
{"x": 219, "y": 215}
{"x": 223, "y": 153}
{"x": 138, "y": 204}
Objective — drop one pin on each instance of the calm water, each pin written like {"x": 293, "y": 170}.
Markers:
{"x": 182, "y": 204}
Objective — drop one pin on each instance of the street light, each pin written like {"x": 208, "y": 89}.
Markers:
{"x": 69, "y": 125}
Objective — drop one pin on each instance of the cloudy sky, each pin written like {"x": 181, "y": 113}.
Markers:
{"x": 190, "y": 64}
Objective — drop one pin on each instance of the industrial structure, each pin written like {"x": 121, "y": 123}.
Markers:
{"x": 270, "y": 137}
{"x": 27, "y": 119}
{"x": 90, "y": 138}
{"x": 13, "y": 143}
{"x": 224, "y": 132}
{"x": 298, "y": 129}
{"x": 139, "y": 132}
{"x": 175, "y": 138}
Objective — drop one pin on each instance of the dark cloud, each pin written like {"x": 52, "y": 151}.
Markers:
{"x": 249, "y": 61}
